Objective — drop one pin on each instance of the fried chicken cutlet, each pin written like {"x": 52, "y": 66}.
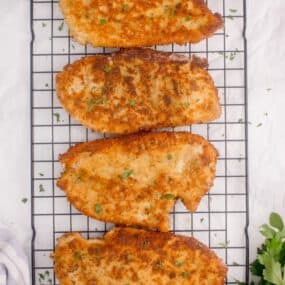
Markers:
{"x": 136, "y": 179}
{"x": 131, "y": 256}
{"x": 138, "y": 89}
{"x": 137, "y": 23}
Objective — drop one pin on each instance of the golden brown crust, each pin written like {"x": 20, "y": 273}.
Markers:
{"x": 138, "y": 89}
{"x": 135, "y": 23}
{"x": 136, "y": 179}
{"x": 131, "y": 256}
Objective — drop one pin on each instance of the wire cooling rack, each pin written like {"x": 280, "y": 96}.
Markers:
{"x": 222, "y": 218}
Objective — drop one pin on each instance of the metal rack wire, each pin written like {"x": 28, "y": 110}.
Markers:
{"x": 222, "y": 218}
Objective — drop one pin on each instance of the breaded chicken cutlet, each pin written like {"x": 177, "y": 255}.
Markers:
{"x": 137, "y": 23}
{"x": 131, "y": 256}
{"x": 138, "y": 89}
{"x": 136, "y": 179}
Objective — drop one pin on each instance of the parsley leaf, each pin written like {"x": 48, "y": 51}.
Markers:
{"x": 270, "y": 263}
{"x": 167, "y": 196}
{"x": 276, "y": 221}
{"x": 103, "y": 21}
{"x": 127, "y": 173}
{"x": 98, "y": 208}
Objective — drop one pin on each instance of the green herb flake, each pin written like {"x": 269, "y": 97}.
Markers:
{"x": 44, "y": 25}
{"x": 24, "y": 200}
{"x": 60, "y": 27}
{"x": 103, "y": 21}
{"x": 188, "y": 18}
{"x": 224, "y": 244}
{"x": 132, "y": 102}
{"x": 186, "y": 104}
{"x": 235, "y": 264}
{"x": 240, "y": 120}
{"x": 93, "y": 102}
{"x": 233, "y": 10}
{"x": 202, "y": 220}
{"x": 46, "y": 85}
{"x": 77, "y": 255}
{"x": 158, "y": 265}
{"x": 41, "y": 188}
{"x": 57, "y": 116}
{"x": 146, "y": 243}
{"x": 107, "y": 68}
{"x": 169, "y": 156}
{"x": 185, "y": 274}
{"x": 41, "y": 174}
{"x": 98, "y": 208}
{"x": 178, "y": 263}
{"x": 127, "y": 173}
{"x": 129, "y": 257}
{"x": 41, "y": 276}
{"x": 167, "y": 196}
{"x": 259, "y": 125}
{"x": 125, "y": 8}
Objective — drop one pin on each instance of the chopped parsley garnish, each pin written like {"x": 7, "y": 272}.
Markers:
{"x": 169, "y": 156}
{"x": 202, "y": 220}
{"x": 98, "y": 208}
{"x": 127, "y": 173}
{"x": 186, "y": 104}
{"x": 224, "y": 244}
{"x": 240, "y": 120}
{"x": 129, "y": 257}
{"x": 77, "y": 255}
{"x": 167, "y": 196}
{"x": 93, "y": 102}
{"x": 41, "y": 174}
{"x": 259, "y": 125}
{"x": 232, "y": 55}
{"x": 60, "y": 27}
{"x": 44, "y": 25}
{"x": 188, "y": 18}
{"x": 233, "y": 10}
{"x": 133, "y": 102}
{"x": 57, "y": 116}
{"x": 103, "y": 21}
{"x": 159, "y": 265}
{"x": 235, "y": 264}
{"x": 125, "y": 8}
{"x": 24, "y": 200}
{"x": 185, "y": 274}
{"x": 46, "y": 85}
{"x": 146, "y": 243}
{"x": 172, "y": 11}
{"x": 107, "y": 68}
{"x": 179, "y": 263}
{"x": 41, "y": 188}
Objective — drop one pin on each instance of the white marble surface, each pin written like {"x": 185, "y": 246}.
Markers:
{"x": 266, "y": 64}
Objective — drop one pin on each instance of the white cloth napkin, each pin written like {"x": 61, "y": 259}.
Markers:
{"x": 14, "y": 267}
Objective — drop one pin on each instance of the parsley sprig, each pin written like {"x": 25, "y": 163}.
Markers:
{"x": 270, "y": 263}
